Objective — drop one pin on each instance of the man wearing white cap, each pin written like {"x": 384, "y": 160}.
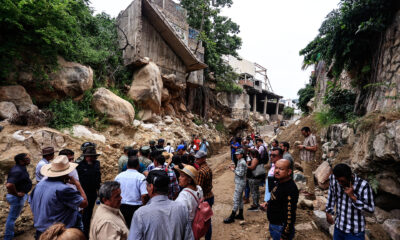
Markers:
{"x": 53, "y": 200}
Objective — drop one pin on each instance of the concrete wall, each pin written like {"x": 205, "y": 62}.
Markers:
{"x": 238, "y": 103}
{"x": 241, "y": 66}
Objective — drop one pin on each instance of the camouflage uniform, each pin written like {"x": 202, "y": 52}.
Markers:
{"x": 240, "y": 184}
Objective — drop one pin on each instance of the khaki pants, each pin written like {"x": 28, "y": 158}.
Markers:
{"x": 307, "y": 169}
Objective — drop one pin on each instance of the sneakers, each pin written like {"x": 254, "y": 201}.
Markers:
{"x": 253, "y": 209}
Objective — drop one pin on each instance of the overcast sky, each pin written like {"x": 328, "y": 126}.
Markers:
{"x": 273, "y": 33}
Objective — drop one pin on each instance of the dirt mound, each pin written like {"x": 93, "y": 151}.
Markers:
{"x": 292, "y": 133}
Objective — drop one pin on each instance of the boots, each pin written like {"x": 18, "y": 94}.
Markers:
{"x": 240, "y": 215}
{"x": 231, "y": 218}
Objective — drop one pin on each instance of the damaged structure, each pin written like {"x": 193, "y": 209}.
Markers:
{"x": 258, "y": 96}
{"x": 158, "y": 30}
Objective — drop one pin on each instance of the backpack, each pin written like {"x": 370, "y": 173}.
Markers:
{"x": 202, "y": 219}
{"x": 264, "y": 158}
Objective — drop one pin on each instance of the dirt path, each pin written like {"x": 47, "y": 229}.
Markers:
{"x": 255, "y": 224}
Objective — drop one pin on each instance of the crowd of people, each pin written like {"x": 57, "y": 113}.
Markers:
{"x": 166, "y": 193}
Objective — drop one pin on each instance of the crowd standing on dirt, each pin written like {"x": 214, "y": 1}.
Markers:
{"x": 162, "y": 192}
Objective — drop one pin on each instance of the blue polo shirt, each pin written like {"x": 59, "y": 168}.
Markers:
{"x": 53, "y": 201}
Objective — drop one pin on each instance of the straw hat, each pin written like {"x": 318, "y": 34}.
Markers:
{"x": 60, "y": 166}
{"x": 191, "y": 172}
{"x": 167, "y": 156}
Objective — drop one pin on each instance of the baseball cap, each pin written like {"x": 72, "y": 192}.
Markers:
{"x": 239, "y": 151}
{"x": 200, "y": 154}
{"x": 180, "y": 147}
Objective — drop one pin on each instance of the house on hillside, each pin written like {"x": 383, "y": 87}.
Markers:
{"x": 157, "y": 29}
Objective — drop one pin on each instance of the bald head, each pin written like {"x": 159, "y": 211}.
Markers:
{"x": 283, "y": 170}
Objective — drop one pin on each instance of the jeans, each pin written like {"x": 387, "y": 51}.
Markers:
{"x": 209, "y": 232}
{"x": 16, "y": 205}
{"x": 276, "y": 231}
{"x": 247, "y": 190}
{"x": 340, "y": 235}
{"x": 255, "y": 191}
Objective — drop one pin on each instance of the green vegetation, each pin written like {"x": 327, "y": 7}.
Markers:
{"x": 341, "y": 102}
{"x": 34, "y": 33}
{"x": 219, "y": 36}
{"x": 288, "y": 112}
{"x": 220, "y": 127}
{"x": 350, "y": 36}
{"x": 305, "y": 94}
{"x": 68, "y": 112}
{"x": 326, "y": 118}
{"x": 198, "y": 121}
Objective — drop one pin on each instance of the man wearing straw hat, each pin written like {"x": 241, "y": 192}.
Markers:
{"x": 53, "y": 200}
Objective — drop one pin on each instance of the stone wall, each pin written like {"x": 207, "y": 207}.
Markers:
{"x": 384, "y": 93}
{"x": 374, "y": 154}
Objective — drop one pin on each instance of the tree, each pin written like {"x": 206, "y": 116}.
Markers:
{"x": 218, "y": 34}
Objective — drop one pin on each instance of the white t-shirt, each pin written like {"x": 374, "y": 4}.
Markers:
{"x": 169, "y": 149}
{"x": 189, "y": 201}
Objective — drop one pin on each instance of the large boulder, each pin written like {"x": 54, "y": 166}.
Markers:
{"x": 18, "y": 96}
{"x": 80, "y": 131}
{"x": 233, "y": 124}
{"x": 72, "y": 79}
{"x": 118, "y": 110}
{"x": 322, "y": 175}
{"x": 7, "y": 110}
{"x": 392, "y": 227}
{"x": 146, "y": 87}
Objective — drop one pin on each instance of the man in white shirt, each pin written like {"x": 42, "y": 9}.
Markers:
{"x": 169, "y": 148}
{"x": 133, "y": 189}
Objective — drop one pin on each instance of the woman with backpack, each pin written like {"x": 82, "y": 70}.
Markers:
{"x": 255, "y": 175}
{"x": 191, "y": 195}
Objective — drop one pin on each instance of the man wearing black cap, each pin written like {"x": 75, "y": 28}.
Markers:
{"x": 90, "y": 178}
{"x": 160, "y": 218}
{"x": 48, "y": 155}
{"x": 160, "y": 144}
{"x": 152, "y": 144}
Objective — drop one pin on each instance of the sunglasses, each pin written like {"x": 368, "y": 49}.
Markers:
{"x": 274, "y": 155}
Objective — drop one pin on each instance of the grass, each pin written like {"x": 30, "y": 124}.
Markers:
{"x": 326, "y": 118}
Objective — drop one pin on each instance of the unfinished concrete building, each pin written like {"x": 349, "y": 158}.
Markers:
{"x": 254, "y": 80}
{"x": 157, "y": 29}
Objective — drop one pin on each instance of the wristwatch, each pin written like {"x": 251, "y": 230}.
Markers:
{"x": 304, "y": 147}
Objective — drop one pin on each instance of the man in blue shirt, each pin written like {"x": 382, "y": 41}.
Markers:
{"x": 48, "y": 155}
{"x": 18, "y": 185}
{"x": 160, "y": 218}
{"x": 53, "y": 200}
{"x": 133, "y": 189}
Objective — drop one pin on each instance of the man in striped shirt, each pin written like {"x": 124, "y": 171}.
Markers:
{"x": 352, "y": 196}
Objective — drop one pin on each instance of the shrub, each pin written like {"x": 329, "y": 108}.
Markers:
{"x": 197, "y": 121}
{"x": 65, "y": 113}
{"x": 288, "y": 112}
{"x": 220, "y": 127}
{"x": 305, "y": 95}
{"x": 326, "y": 118}
{"x": 341, "y": 102}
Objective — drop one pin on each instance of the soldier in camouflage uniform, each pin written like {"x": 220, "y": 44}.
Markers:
{"x": 240, "y": 184}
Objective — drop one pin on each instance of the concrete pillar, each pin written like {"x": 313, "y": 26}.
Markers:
{"x": 265, "y": 107}
{"x": 277, "y": 107}
{"x": 254, "y": 103}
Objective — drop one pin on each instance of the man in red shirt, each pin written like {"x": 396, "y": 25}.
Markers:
{"x": 197, "y": 143}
